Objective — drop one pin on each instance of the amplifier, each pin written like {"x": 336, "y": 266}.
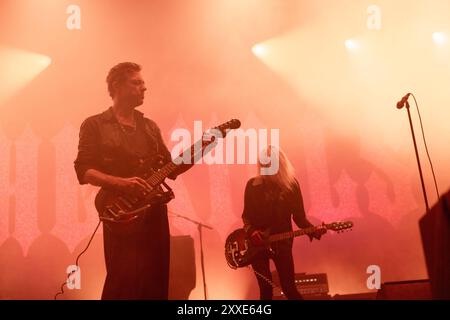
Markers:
{"x": 307, "y": 285}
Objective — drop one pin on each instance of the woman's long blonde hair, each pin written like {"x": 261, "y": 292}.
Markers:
{"x": 285, "y": 175}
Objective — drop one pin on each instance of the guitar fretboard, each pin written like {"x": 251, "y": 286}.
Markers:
{"x": 196, "y": 152}
{"x": 293, "y": 234}
{"x": 160, "y": 175}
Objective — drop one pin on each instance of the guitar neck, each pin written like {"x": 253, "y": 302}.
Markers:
{"x": 292, "y": 234}
{"x": 158, "y": 177}
{"x": 196, "y": 152}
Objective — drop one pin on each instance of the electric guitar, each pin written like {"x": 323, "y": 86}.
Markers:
{"x": 240, "y": 250}
{"x": 115, "y": 206}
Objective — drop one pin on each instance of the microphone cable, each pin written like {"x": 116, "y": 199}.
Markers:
{"x": 426, "y": 148}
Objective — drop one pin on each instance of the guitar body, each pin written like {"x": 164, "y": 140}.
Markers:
{"x": 240, "y": 251}
{"x": 120, "y": 207}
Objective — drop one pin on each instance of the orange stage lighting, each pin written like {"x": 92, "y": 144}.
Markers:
{"x": 259, "y": 50}
{"x": 18, "y": 68}
{"x": 440, "y": 38}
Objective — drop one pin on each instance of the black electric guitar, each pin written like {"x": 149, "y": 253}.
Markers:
{"x": 240, "y": 250}
{"x": 115, "y": 206}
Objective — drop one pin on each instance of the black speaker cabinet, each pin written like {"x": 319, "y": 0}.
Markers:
{"x": 405, "y": 290}
{"x": 435, "y": 232}
{"x": 182, "y": 267}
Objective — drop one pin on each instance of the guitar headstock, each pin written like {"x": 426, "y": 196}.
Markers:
{"x": 224, "y": 127}
{"x": 340, "y": 226}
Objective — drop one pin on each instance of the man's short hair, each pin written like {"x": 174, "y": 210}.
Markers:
{"x": 119, "y": 72}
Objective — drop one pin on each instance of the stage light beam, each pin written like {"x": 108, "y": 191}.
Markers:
{"x": 259, "y": 50}
{"x": 440, "y": 38}
{"x": 18, "y": 68}
{"x": 352, "y": 45}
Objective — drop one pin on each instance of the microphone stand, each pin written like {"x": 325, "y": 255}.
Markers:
{"x": 199, "y": 226}
{"x": 417, "y": 157}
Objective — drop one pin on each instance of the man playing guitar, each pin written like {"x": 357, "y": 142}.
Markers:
{"x": 115, "y": 148}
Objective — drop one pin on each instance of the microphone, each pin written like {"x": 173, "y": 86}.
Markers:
{"x": 402, "y": 102}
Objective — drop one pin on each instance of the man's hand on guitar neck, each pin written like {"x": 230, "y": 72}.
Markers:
{"x": 317, "y": 234}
